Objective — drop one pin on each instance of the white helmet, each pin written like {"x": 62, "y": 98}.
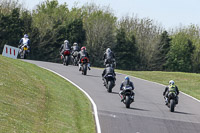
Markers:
{"x": 75, "y": 44}
{"x": 66, "y": 41}
{"x": 171, "y": 82}
{"x": 108, "y": 50}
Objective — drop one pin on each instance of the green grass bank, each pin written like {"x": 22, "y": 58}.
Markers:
{"x": 35, "y": 100}
{"x": 187, "y": 82}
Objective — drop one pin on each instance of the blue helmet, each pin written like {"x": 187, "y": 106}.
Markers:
{"x": 127, "y": 78}
{"x": 25, "y": 36}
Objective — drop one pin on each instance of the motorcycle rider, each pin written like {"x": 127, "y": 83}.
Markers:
{"x": 106, "y": 71}
{"x": 64, "y": 47}
{"x": 75, "y": 47}
{"x": 108, "y": 56}
{"x": 171, "y": 88}
{"x": 24, "y": 42}
{"x": 75, "y": 50}
{"x": 126, "y": 82}
{"x": 83, "y": 53}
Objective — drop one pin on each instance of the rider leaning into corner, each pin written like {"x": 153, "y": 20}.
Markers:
{"x": 108, "y": 55}
{"x": 108, "y": 70}
{"x": 24, "y": 41}
{"x": 83, "y": 53}
{"x": 126, "y": 82}
{"x": 64, "y": 47}
{"x": 171, "y": 88}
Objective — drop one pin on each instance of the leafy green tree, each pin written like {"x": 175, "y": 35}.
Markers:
{"x": 99, "y": 24}
{"x": 11, "y": 28}
{"x": 180, "y": 53}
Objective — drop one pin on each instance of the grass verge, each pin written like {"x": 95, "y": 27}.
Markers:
{"x": 35, "y": 100}
{"x": 187, "y": 82}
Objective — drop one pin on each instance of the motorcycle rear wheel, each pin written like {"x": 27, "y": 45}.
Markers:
{"x": 128, "y": 101}
{"x": 84, "y": 71}
{"x": 109, "y": 87}
{"x": 172, "y": 105}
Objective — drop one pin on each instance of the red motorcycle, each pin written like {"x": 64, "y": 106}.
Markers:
{"x": 66, "y": 58}
{"x": 84, "y": 65}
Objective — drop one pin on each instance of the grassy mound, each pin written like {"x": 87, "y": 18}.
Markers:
{"x": 35, "y": 100}
{"x": 186, "y": 82}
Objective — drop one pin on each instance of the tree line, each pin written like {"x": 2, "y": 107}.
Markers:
{"x": 138, "y": 43}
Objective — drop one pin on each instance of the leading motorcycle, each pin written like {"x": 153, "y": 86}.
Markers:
{"x": 23, "y": 52}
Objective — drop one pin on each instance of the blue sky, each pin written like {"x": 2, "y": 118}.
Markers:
{"x": 170, "y": 13}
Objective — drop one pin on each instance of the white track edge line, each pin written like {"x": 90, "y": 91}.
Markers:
{"x": 162, "y": 85}
{"x": 98, "y": 128}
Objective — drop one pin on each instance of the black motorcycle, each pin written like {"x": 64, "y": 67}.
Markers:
{"x": 75, "y": 58}
{"x": 171, "y": 101}
{"x": 109, "y": 82}
{"x": 128, "y": 96}
{"x": 111, "y": 62}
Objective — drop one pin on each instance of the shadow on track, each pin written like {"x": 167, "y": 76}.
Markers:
{"x": 92, "y": 75}
{"x": 178, "y": 112}
{"x": 115, "y": 93}
{"x": 133, "y": 108}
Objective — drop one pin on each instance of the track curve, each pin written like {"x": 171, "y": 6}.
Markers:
{"x": 147, "y": 114}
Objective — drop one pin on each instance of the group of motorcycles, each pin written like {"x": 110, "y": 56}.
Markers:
{"x": 109, "y": 79}
{"x": 127, "y": 94}
{"x": 73, "y": 56}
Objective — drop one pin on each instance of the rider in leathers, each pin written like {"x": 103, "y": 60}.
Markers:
{"x": 108, "y": 70}
{"x": 24, "y": 41}
{"x": 127, "y": 82}
{"x": 108, "y": 55}
{"x": 64, "y": 47}
{"x": 74, "y": 48}
{"x": 83, "y": 53}
{"x": 171, "y": 88}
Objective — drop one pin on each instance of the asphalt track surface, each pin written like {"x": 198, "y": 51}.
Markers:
{"x": 147, "y": 114}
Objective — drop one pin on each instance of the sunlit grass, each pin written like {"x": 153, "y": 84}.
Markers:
{"x": 35, "y": 100}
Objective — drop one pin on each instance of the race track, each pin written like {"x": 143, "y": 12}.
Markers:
{"x": 147, "y": 114}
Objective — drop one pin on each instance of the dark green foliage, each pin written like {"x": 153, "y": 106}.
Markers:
{"x": 75, "y": 32}
{"x": 179, "y": 56}
{"x": 126, "y": 51}
{"x": 161, "y": 51}
{"x": 11, "y": 28}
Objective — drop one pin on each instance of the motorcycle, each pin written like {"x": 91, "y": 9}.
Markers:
{"x": 66, "y": 58}
{"x": 171, "y": 101}
{"x": 111, "y": 62}
{"x": 128, "y": 96}
{"x": 75, "y": 58}
{"x": 109, "y": 82}
{"x": 23, "y": 52}
{"x": 84, "y": 65}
